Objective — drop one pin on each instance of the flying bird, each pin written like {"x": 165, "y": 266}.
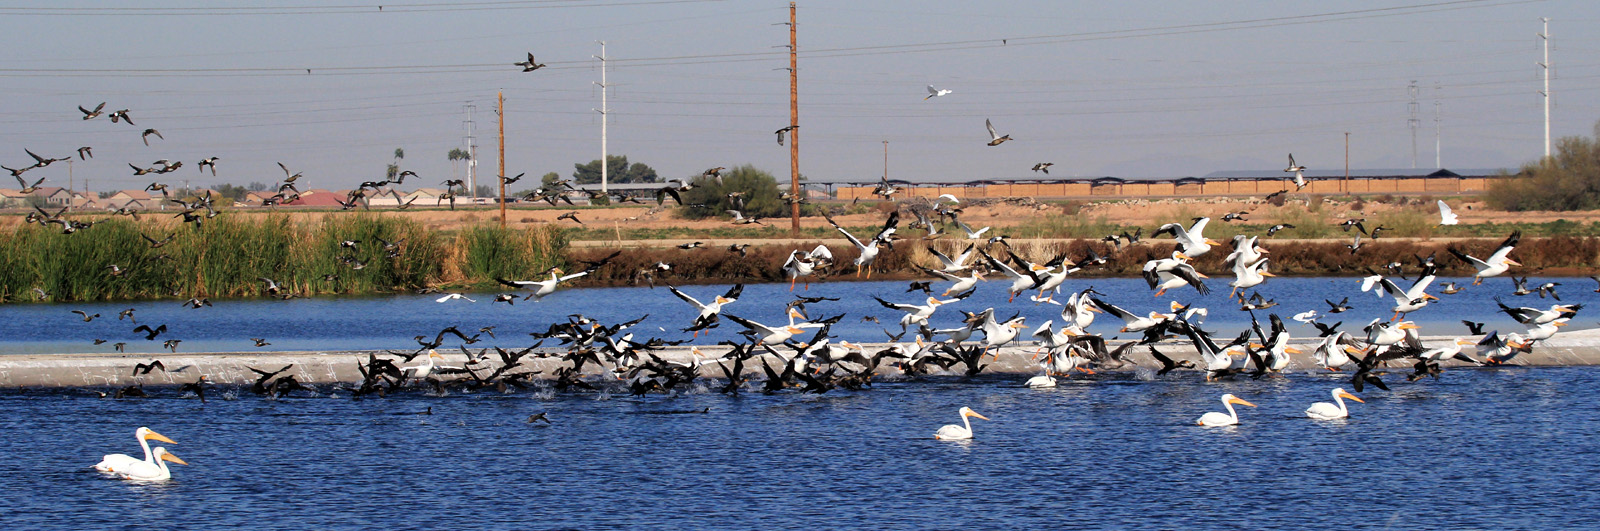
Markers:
{"x": 529, "y": 65}
{"x": 212, "y": 162}
{"x": 90, "y": 115}
{"x": 995, "y": 138}
{"x": 146, "y": 135}
{"x": 1044, "y": 167}
{"x": 934, "y": 93}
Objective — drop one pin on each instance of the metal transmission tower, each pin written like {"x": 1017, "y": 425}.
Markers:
{"x": 1544, "y": 35}
{"x": 471, "y": 142}
{"x": 604, "y": 112}
{"x": 1439, "y": 162}
{"x": 1413, "y": 122}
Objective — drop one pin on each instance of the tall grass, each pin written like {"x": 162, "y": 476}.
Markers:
{"x": 227, "y": 255}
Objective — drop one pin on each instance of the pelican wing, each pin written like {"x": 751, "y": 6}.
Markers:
{"x": 1114, "y": 310}
{"x": 1188, "y": 274}
{"x": 1505, "y": 248}
{"x": 686, "y": 298}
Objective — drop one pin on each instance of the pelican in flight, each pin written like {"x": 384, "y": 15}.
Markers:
{"x": 1192, "y": 241}
{"x": 1497, "y": 264}
{"x": 152, "y": 471}
{"x": 1405, "y": 301}
{"x": 1173, "y": 273}
{"x": 1446, "y": 216}
{"x": 952, "y": 432}
{"x": 1330, "y": 411}
{"x": 868, "y": 251}
{"x": 117, "y": 463}
{"x": 936, "y": 92}
{"x": 541, "y": 288}
{"x": 1216, "y": 418}
{"x": 961, "y": 283}
{"x": 1131, "y": 322}
{"x": 1248, "y": 276}
{"x": 708, "y": 311}
{"x": 805, "y": 264}
{"x": 771, "y": 334}
{"x": 952, "y": 265}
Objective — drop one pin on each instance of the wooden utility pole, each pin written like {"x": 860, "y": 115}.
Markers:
{"x": 794, "y": 127}
{"x": 501, "y": 112}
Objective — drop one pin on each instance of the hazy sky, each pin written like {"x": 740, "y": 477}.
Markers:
{"x": 1130, "y": 88}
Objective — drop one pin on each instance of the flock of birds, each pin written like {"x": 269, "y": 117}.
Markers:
{"x": 818, "y": 364}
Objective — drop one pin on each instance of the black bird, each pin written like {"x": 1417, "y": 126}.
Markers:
{"x": 150, "y": 333}
{"x": 212, "y": 162}
{"x": 1275, "y": 228}
{"x": 1326, "y": 330}
{"x": 570, "y": 215}
{"x": 156, "y": 244}
{"x": 780, "y": 132}
{"x": 90, "y": 115}
{"x": 529, "y": 65}
{"x": 1275, "y": 194}
{"x": 1357, "y": 223}
{"x": 127, "y": 314}
{"x": 86, "y": 317}
{"x": 925, "y": 286}
{"x": 260, "y": 342}
{"x": 121, "y": 114}
{"x": 196, "y": 302}
{"x": 146, "y": 135}
{"x": 1364, "y": 376}
{"x": 1342, "y": 306}
{"x": 85, "y": 153}
{"x": 145, "y": 368}
{"x": 538, "y": 417}
{"x": 197, "y": 387}
{"x": 119, "y": 346}
{"x": 172, "y": 345}
{"x": 1473, "y": 328}
{"x": 1167, "y": 364}
{"x": 505, "y": 298}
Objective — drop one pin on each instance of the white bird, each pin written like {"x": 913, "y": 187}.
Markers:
{"x": 1435, "y": 355}
{"x": 952, "y": 198}
{"x": 952, "y": 432}
{"x": 1497, "y": 264}
{"x": 1496, "y": 351}
{"x": 1192, "y": 241}
{"x": 1333, "y": 352}
{"x": 1329, "y": 411}
{"x": 1389, "y": 333}
{"x": 996, "y": 333}
{"x": 971, "y": 234}
{"x": 772, "y": 334}
{"x": 708, "y": 311}
{"x": 1078, "y": 313}
{"x": 1545, "y": 331}
{"x": 1299, "y": 173}
{"x": 453, "y": 296}
{"x": 1307, "y": 317}
{"x": 120, "y": 462}
{"x": 958, "y": 263}
{"x": 868, "y": 251}
{"x": 1022, "y": 280}
{"x": 805, "y": 264}
{"x": 1535, "y": 316}
{"x": 541, "y": 288}
{"x": 1043, "y": 381}
{"x": 934, "y": 93}
{"x": 151, "y": 471}
{"x": 1131, "y": 322}
{"x": 1245, "y": 251}
{"x": 1446, "y": 216}
{"x": 425, "y": 368}
{"x": 961, "y": 283}
{"x": 1405, "y": 301}
{"x": 917, "y": 314}
{"x": 1215, "y": 418}
{"x": 1249, "y": 276}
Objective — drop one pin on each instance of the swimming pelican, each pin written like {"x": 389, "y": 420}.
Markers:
{"x": 1192, "y": 242}
{"x": 952, "y": 432}
{"x": 119, "y": 462}
{"x": 1043, "y": 381}
{"x": 1497, "y": 264}
{"x": 1215, "y": 418}
{"x": 1329, "y": 411}
{"x": 1446, "y": 217}
{"x": 152, "y": 471}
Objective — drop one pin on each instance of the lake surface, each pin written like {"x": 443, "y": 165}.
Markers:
{"x": 1509, "y": 448}
{"x": 390, "y": 322}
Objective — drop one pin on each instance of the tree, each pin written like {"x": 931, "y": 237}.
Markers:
{"x": 618, "y": 170}
{"x": 457, "y": 155}
{"x": 394, "y": 167}
{"x": 549, "y": 179}
{"x": 484, "y": 190}
{"x": 1569, "y": 179}
{"x": 232, "y": 191}
{"x": 760, "y": 197}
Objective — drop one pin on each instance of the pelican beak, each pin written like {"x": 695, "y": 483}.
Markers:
{"x": 1291, "y": 350}
{"x": 1566, "y": 309}
{"x": 1241, "y": 401}
{"x": 1263, "y": 251}
{"x": 1257, "y": 346}
{"x": 1267, "y": 274}
{"x": 1020, "y": 326}
{"x": 1201, "y": 275}
{"x": 167, "y": 456}
{"x": 1465, "y": 342}
{"x": 1181, "y": 256}
{"x": 1352, "y": 350}
{"x": 159, "y": 437}
{"x": 1558, "y": 323}
{"x": 1429, "y": 297}
{"x": 975, "y": 414}
{"x": 1212, "y": 242}
{"x": 1095, "y": 310}
{"x": 793, "y": 330}
{"x": 1512, "y": 262}
{"x": 1352, "y": 397}
{"x": 721, "y": 300}
{"x": 1408, "y": 325}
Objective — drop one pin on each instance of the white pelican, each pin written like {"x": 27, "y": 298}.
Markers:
{"x": 942, "y": 197}
{"x": 1215, "y": 418}
{"x": 1497, "y": 264}
{"x": 1172, "y": 273}
{"x": 971, "y": 234}
{"x": 770, "y": 334}
{"x": 453, "y": 296}
{"x": 917, "y": 314}
{"x": 1329, "y": 411}
{"x": 1277, "y": 347}
{"x": 119, "y": 462}
{"x": 1219, "y": 360}
{"x": 1333, "y": 352}
{"x": 1078, "y": 313}
{"x": 1192, "y": 241}
{"x": 805, "y": 264}
{"x": 1245, "y": 251}
{"x": 1405, "y": 301}
{"x": 427, "y": 367}
{"x": 1057, "y": 273}
{"x": 1043, "y": 381}
{"x": 935, "y": 92}
{"x": 151, "y": 471}
{"x": 996, "y": 333}
{"x": 1435, "y": 355}
{"x": 708, "y": 311}
{"x": 1535, "y": 316}
{"x": 961, "y": 283}
{"x": 867, "y": 251}
{"x": 1248, "y": 276}
{"x": 1020, "y": 281}
{"x": 1545, "y": 331}
{"x": 1131, "y": 322}
{"x": 1389, "y": 333}
{"x": 951, "y": 265}
{"x": 952, "y": 432}
{"x": 541, "y": 288}
{"x": 1446, "y": 217}
{"x": 1496, "y": 351}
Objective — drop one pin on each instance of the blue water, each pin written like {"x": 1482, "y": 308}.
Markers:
{"x": 390, "y": 322}
{"x": 1504, "y": 448}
